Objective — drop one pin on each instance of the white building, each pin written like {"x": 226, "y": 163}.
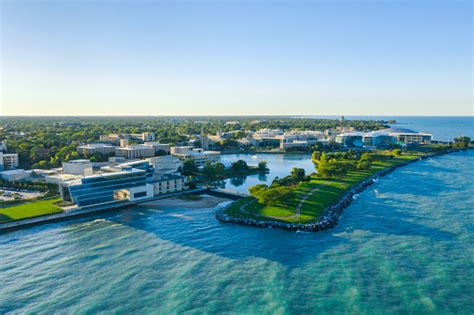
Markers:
{"x": 92, "y": 148}
{"x": 300, "y": 139}
{"x": 199, "y": 156}
{"x": 167, "y": 164}
{"x": 136, "y": 151}
{"x": 8, "y": 161}
{"x": 78, "y": 167}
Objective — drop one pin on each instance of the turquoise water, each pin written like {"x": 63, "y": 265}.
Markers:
{"x": 404, "y": 245}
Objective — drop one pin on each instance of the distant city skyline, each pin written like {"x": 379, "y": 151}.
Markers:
{"x": 236, "y": 58}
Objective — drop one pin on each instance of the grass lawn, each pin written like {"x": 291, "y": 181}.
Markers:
{"x": 29, "y": 210}
{"x": 328, "y": 192}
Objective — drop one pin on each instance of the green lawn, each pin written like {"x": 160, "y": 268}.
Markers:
{"x": 29, "y": 210}
{"x": 329, "y": 191}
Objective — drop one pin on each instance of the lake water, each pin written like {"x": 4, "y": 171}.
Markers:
{"x": 441, "y": 127}
{"x": 403, "y": 246}
{"x": 280, "y": 165}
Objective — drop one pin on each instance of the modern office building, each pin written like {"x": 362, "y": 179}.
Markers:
{"x": 136, "y": 151}
{"x": 93, "y": 148}
{"x": 199, "y": 156}
{"x": 78, "y": 167}
{"x": 128, "y": 184}
{"x": 8, "y": 161}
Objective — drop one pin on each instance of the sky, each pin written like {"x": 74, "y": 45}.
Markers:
{"x": 115, "y": 57}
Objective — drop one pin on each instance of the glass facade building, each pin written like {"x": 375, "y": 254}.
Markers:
{"x": 101, "y": 188}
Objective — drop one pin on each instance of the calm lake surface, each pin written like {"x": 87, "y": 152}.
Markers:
{"x": 404, "y": 245}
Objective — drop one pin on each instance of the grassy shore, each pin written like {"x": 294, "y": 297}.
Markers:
{"x": 319, "y": 193}
{"x": 29, "y": 210}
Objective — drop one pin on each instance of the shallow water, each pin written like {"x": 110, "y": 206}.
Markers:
{"x": 405, "y": 245}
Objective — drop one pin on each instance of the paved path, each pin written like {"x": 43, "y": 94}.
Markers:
{"x": 298, "y": 208}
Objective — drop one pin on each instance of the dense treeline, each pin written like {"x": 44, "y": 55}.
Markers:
{"x": 44, "y": 142}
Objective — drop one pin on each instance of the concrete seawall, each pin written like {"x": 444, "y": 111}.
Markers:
{"x": 332, "y": 213}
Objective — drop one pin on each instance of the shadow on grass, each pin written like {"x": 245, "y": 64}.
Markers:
{"x": 5, "y": 218}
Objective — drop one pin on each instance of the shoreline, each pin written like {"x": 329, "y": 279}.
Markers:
{"x": 206, "y": 201}
{"x": 332, "y": 213}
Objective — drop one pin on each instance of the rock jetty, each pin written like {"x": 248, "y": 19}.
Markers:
{"x": 331, "y": 214}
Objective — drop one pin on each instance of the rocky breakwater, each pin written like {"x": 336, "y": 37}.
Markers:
{"x": 331, "y": 214}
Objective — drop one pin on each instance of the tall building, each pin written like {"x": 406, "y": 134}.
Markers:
{"x": 8, "y": 161}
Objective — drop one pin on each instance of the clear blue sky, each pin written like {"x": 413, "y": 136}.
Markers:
{"x": 236, "y": 57}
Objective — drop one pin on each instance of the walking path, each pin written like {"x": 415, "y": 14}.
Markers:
{"x": 298, "y": 208}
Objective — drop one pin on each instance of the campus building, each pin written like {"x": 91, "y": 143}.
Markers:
{"x": 166, "y": 164}
{"x": 127, "y": 184}
{"x": 199, "y": 156}
{"x": 78, "y": 167}
{"x": 93, "y": 148}
{"x": 168, "y": 183}
{"x": 353, "y": 139}
{"x": 8, "y": 161}
{"x": 157, "y": 146}
{"x": 300, "y": 139}
{"x": 407, "y": 136}
{"x": 136, "y": 151}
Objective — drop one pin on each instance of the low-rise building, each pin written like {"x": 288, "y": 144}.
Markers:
{"x": 157, "y": 146}
{"x": 199, "y": 156}
{"x": 93, "y": 148}
{"x": 407, "y": 136}
{"x": 128, "y": 184}
{"x": 300, "y": 139}
{"x": 15, "y": 175}
{"x": 353, "y": 139}
{"x": 136, "y": 151}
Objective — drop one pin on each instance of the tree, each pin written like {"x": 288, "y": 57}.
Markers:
{"x": 396, "y": 152}
{"x": 239, "y": 166}
{"x": 189, "y": 167}
{"x": 298, "y": 174}
{"x": 461, "y": 142}
{"x": 262, "y": 167}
